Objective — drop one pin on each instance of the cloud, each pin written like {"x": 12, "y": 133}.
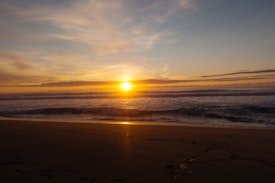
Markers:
{"x": 106, "y": 27}
{"x": 14, "y": 60}
{"x": 177, "y": 6}
{"x": 83, "y": 39}
{"x": 18, "y": 68}
{"x": 165, "y": 72}
{"x": 240, "y": 73}
{"x": 160, "y": 11}
{"x": 223, "y": 80}
{"x": 87, "y": 23}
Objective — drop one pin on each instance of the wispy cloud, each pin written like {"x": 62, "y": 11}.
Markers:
{"x": 241, "y": 73}
{"x": 106, "y": 27}
{"x": 18, "y": 68}
{"x": 223, "y": 80}
{"x": 83, "y": 39}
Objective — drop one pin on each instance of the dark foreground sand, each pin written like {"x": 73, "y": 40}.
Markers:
{"x": 75, "y": 152}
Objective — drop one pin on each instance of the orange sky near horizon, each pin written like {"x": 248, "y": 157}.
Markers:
{"x": 135, "y": 87}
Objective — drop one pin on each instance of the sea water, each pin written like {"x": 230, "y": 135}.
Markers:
{"x": 215, "y": 107}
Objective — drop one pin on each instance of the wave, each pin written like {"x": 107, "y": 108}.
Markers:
{"x": 247, "y": 114}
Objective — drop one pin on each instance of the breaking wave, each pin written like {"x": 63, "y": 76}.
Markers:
{"x": 251, "y": 114}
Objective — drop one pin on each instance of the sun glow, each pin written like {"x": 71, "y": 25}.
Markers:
{"x": 126, "y": 86}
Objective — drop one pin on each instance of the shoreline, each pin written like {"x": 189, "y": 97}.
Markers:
{"x": 233, "y": 125}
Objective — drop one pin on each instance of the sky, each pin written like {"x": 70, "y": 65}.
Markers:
{"x": 89, "y": 42}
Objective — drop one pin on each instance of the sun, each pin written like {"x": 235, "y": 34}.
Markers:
{"x": 126, "y": 86}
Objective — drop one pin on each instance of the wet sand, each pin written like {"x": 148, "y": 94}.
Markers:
{"x": 33, "y": 151}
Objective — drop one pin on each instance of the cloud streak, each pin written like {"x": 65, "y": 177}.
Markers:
{"x": 240, "y": 73}
{"x": 164, "y": 82}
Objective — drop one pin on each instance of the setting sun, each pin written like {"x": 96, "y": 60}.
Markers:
{"x": 126, "y": 86}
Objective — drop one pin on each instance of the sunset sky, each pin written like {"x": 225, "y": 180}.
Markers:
{"x": 51, "y": 43}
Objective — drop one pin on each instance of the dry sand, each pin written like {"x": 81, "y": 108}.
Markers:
{"x": 77, "y": 152}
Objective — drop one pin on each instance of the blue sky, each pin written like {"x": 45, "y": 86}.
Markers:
{"x": 96, "y": 40}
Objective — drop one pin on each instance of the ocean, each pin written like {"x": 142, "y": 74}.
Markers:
{"x": 243, "y": 107}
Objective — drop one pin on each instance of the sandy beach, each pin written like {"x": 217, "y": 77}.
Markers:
{"x": 33, "y": 151}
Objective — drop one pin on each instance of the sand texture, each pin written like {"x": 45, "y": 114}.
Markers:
{"x": 77, "y": 152}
